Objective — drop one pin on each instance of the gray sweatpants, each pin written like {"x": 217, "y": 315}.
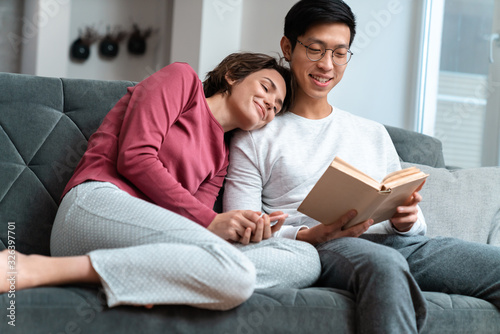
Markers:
{"x": 387, "y": 274}
{"x": 145, "y": 254}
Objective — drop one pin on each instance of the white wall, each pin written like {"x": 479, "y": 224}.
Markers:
{"x": 381, "y": 77}
{"x": 101, "y": 14}
{"x": 262, "y": 29}
{"x": 186, "y": 32}
{"x": 221, "y": 32}
{"x": 379, "y": 83}
{"x": 44, "y": 33}
{"x": 50, "y": 27}
{"x": 212, "y": 31}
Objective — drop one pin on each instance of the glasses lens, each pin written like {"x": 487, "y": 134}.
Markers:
{"x": 341, "y": 56}
{"x": 315, "y": 51}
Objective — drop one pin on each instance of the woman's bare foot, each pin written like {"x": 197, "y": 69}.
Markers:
{"x": 22, "y": 271}
{"x": 12, "y": 271}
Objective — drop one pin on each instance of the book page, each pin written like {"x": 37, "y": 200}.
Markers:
{"x": 354, "y": 172}
{"x": 400, "y": 174}
{"x": 411, "y": 174}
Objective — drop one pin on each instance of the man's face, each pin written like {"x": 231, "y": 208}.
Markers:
{"x": 315, "y": 79}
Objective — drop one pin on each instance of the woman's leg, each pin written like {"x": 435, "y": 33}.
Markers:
{"x": 145, "y": 254}
{"x": 281, "y": 262}
{"x": 388, "y": 299}
{"x": 38, "y": 270}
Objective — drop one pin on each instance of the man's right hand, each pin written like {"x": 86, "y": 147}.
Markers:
{"x": 321, "y": 233}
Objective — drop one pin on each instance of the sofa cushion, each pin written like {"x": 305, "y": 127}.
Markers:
{"x": 276, "y": 310}
{"x": 462, "y": 203}
{"x": 83, "y": 310}
{"x": 44, "y": 127}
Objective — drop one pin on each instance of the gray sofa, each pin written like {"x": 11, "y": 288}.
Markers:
{"x": 44, "y": 127}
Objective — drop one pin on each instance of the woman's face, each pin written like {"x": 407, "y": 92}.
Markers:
{"x": 315, "y": 79}
{"x": 256, "y": 99}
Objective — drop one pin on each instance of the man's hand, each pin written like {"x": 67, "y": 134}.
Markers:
{"x": 407, "y": 214}
{"x": 264, "y": 229}
{"x": 321, "y": 233}
{"x": 236, "y": 225}
{"x": 245, "y": 226}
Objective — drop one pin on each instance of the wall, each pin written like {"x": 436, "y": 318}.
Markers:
{"x": 212, "y": 31}
{"x": 123, "y": 13}
{"x": 50, "y": 27}
{"x": 379, "y": 83}
{"x": 381, "y": 77}
{"x": 11, "y": 12}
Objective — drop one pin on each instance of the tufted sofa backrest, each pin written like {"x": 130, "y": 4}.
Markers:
{"x": 45, "y": 124}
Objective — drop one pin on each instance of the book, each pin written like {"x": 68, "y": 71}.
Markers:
{"x": 343, "y": 187}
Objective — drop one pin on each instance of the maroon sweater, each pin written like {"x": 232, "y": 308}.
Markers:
{"x": 161, "y": 143}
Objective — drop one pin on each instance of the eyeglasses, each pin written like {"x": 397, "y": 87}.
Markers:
{"x": 316, "y": 52}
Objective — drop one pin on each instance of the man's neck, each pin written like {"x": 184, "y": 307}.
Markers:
{"x": 312, "y": 109}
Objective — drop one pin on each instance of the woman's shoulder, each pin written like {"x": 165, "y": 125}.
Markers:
{"x": 180, "y": 66}
{"x": 178, "y": 69}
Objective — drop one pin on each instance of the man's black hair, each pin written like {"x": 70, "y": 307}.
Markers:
{"x": 307, "y": 13}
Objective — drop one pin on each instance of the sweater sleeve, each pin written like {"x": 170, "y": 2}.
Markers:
{"x": 244, "y": 182}
{"x": 209, "y": 189}
{"x": 155, "y": 105}
{"x": 243, "y": 186}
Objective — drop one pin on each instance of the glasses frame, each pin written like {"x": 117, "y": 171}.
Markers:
{"x": 324, "y": 53}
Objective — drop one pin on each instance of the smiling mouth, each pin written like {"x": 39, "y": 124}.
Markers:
{"x": 259, "y": 107}
{"x": 320, "y": 79}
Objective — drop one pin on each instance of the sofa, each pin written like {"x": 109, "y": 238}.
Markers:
{"x": 44, "y": 127}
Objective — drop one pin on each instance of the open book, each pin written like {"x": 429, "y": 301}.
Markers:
{"x": 343, "y": 187}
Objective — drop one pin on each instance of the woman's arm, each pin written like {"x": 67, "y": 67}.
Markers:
{"x": 155, "y": 105}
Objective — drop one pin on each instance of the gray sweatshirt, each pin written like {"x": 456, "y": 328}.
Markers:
{"x": 274, "y": 168}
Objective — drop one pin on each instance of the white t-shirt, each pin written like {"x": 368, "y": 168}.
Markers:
{"x": 274, "y": 168}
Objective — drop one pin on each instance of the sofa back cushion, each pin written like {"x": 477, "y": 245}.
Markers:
{"x": 416, "y": 147}
{"x": 462, "y": 203}
{"x": 45, "y": 124}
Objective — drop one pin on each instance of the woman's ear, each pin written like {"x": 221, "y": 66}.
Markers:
{"x": 228, "y": 79}
{"x": 286, "y": 48}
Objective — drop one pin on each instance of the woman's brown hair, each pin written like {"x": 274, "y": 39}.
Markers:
{"x": 238, "y": 66}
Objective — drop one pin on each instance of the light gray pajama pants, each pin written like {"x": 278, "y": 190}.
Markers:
{"x": 145, "y": 254}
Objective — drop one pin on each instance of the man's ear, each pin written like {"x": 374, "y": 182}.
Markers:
{"x": 286, "y": 48}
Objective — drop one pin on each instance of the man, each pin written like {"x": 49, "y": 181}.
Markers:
{"x": 386, "y": 265}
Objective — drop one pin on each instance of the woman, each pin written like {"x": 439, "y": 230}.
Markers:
{"x": 136, "y": 217}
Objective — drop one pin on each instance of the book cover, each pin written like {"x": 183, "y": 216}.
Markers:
{"x": 343, "y": 187}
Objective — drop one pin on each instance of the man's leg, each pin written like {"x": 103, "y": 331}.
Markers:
{"x": 387, "y": 297}
{"x": 452, "y": 265}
